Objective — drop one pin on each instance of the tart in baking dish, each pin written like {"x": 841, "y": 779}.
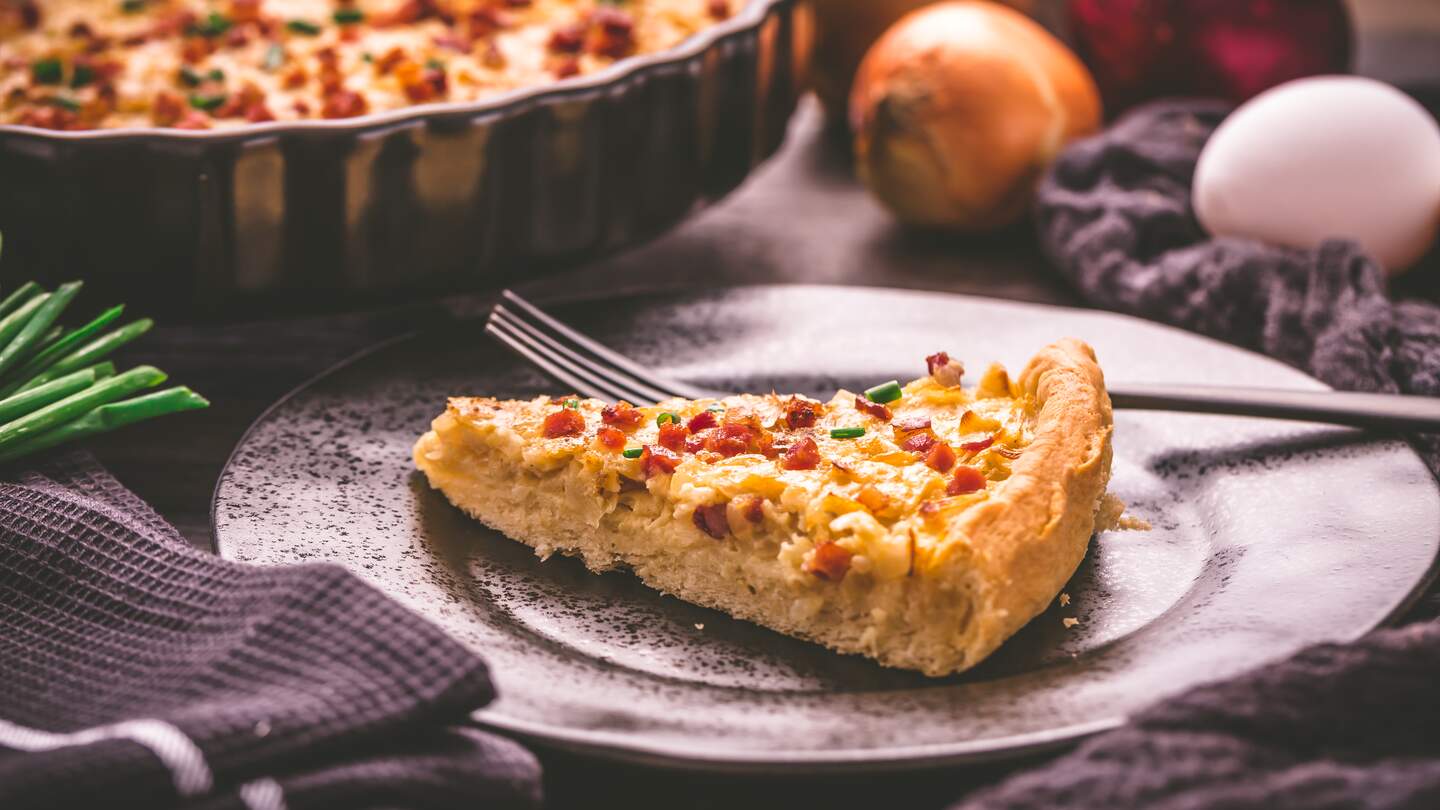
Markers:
{"x": 203, "y": 64}
{"x": 919, "y": 525}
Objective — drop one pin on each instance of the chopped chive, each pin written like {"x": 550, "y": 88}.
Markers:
{"x": 189, "y": 77}
{"x": 274, "y": 57}
{"x": 847, "y": 433}
{"x": 83, "y": 75}
{"x": 368, "y": 57}
{"x": 348, "y": 16}
{"x": 716, "y": 408}
{"x": 572, "y": 404}
{"x": 884, "y": 392}
{"x": 633, "y": 452}
{"x": 434, "y": 64}
{"x": 62, "y": 102}
{"x": 47, "y": 71}
{"x": 202, "y": 101}
{"x": 216, "y": 75}
{"x": 132, "y": 6}
{"x": 212, "y": 26}
{"x": 667, "y": 417}
{"x": 305, "y": 27}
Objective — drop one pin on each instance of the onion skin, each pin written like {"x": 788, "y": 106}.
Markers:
{"x": 958, "y": 109}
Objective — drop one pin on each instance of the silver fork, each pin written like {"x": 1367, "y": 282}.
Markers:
{"x": 594, "y": 370}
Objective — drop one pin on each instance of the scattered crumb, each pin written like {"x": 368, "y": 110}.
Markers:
{"x": 1069, "y": 621}
{"x": 1064, "y": 599}
{"x": 1110, "y": 515}
{"x": 699, "y": 626}
{"x": 1130, "y": 523}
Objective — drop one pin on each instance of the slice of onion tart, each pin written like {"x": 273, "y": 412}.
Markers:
{"x": 919, "y": 525}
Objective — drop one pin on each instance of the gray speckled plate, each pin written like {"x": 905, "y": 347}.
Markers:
{"x": 1267, "y": 536}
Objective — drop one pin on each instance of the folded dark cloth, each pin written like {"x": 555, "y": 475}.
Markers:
{"x": 137, "y": 671}
{"x": 1336, "y": 726}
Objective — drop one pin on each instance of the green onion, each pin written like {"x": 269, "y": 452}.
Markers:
{"x": 11, "y": 324}
{"x": 91, "y": 353}
{"x": 884, "y": 392}
{"x": 77, "y": 405}
{"x": 12, "y": 408}
{"x": 52, "y": 352}
{"x": 667, "y": 417}
{"x": 22, "y": 294}
{"x": 189, "y": 77}
{"x": 28, "y": 338}
{"x": 572, "y": 404}
{"x": 434, "y": 64}
{"x": 132, "y": 6}
{"x": 633, "y": 452}
{"x": 716, "y": 408}
{"x": 47, "y": 71}
{"x": 201, "y": 101}
{"x": 83, "y": 75}
{"x": 305, "y": 27}
{"x": 109, "y": 417}
{"x": 847, "y": 433}
{"x": 274, "y": 57}
{"x": 347, "y": 16}
{"x": 368, "y": 57}
{"x": 212, "y": 26}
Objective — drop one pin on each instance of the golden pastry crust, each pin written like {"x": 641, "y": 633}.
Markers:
{"x": 924, "y": 542}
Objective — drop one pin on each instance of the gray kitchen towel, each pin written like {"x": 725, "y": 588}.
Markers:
{"x": 1336, "y": 726}
{"x": 136, "y": 671}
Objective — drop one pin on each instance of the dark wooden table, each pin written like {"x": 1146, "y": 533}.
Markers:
{"x": 801, "y": 218}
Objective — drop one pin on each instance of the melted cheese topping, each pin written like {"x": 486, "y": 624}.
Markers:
{"x": 883, "y": 504}
{"x": 79, "y": 64}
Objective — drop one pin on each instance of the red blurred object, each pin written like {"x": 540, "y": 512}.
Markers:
{"x": 1143, "y": 49}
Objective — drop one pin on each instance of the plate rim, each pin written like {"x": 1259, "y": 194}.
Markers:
{"x": 622, "y": 748}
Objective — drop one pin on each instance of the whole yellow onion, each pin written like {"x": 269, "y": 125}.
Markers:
{"x": 959, "y": 107}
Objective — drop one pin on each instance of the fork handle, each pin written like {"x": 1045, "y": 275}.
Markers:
{"x": 1392, "y": 412}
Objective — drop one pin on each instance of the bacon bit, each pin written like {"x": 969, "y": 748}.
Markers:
{"x": 452, "y": 43}
{"x": 258, "y": 113}
{"x": 421, "y": 84}
{"x": 172, "y": 24}
{"x": 909, "y": 424}
{"x": 330, "y": 78}
{"x": 240, "y": 104}
{"x": 940, "y": 457}
{"x": 518, "y": 3}
{"x": 875, "y": 409}
{"x": 929, "y": 509}
{"x": 567, "y": 39}
{"x": 701, "y": 421}
{"x": 615, "y": 36}
{"x": 406, "y": 13}
{"x": 718, "y": 9}
{"x": 49, "y": 117}
{"x": 193, "y": 119}
{"x": 485, "y": 21}
{"x": 301, "y": 107}
{"x": 81, "y": 30}
{"x": 829, "y": 561}
{"x": 296, "y": 78}
{"x": 610, "y": 438}
{"x": 919, "y": 443}
{"x": 622, "y": 414}
{"x": 672, "y": 436}
{"x": 802, "y": 413}
{"x": 657, "y": 460}
{"x": 966, "y": 479}
{"x": 245, "y": 11}
{"x": 493, "y": 58}
{"x": 344, "y": 104}
{"x": 236, "y": 38}
{"x": 730, "y": 440}
{"x": 712, "y": 520}
{"x": 390, "y": 60}
{"x": 167, "y": 108}
{"x": 195, "y": 49}
{"x": 564, "y": 422}
{"x": 1008, "y": 452}
{"x": 803, "y": 455}
{"x": 567, "y": 67}
{"x": 696, "y": 443}
{"x": 872, "y": 499}
{"x": 752, "y": 507}
{"x": 943, "y": 370}
{"x": 977, "y": 446}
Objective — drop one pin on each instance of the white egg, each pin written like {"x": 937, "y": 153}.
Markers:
{"x": 1325, "y": 157}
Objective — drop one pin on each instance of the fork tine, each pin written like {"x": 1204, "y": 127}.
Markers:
{"x": 609, "y": 356}
{"x": 616, "y": 380}
{"x": 541, "y": 361}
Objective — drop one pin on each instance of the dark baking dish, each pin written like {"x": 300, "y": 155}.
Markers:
{"x": 440, "y": 196}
